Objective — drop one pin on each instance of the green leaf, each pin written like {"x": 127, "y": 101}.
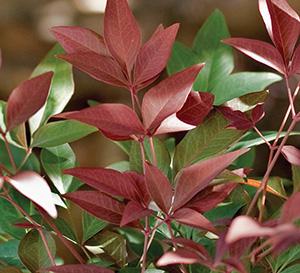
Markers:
{"x": 245, "y": 160}
{"x": 239, "y": 84}
{"x": 111, "y": 243}
{"x": 251, "y": 139}
{"x": 162, "y": 155}
{"x": 54, "y": 161}
{"x": 10, "y": 270}
{"x": 62, "y": 87}
{"x": 286, "y": 258}
{"x": 292, "y": 269}
{"x": 9, "y": 253}
{"x": 32, "y": 251}
{"x": 217, "y": 56}
{"x": 9, "y": 216}
{"x": 208, "y": 139}
{"x": 60, "y": 132}
{"x": 182, "y": 57}
{"x": 19, "y": 154}
{"x": 124, "y": 145}
{"x": 121, "y": 166}
{"x": 296, "y": 178}
{"x": 249, "y": 101}
{"x": 91, "y": 226}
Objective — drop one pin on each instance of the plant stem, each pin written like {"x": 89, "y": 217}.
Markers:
{"x": 154, "y": 159}
{"x": 28, "y": 153}
{"x": 182, "y": 268}
{"x": 291, "y": 100}
{"x": 67, "y": 244}
{"x": 38, "y": 226}
{"x": 44, "y": 239}
{"x": 10, "y": 155}
{"x": 145, "y": 249}
{"x": 262, "y": 137}
{"x": 264, "y": 183}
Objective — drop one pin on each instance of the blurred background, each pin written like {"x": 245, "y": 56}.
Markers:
{"x": 25, "y": 39}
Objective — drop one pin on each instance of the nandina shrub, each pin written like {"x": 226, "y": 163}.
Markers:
{"x": 192, "y": 206}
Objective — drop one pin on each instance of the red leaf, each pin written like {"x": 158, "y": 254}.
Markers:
{"x": 173, "y": 124}
{"x": 99, "y": 67}
{"x": 159, "y": 187}
{"x": 193, "y": 218}
{"x": 154, "y": 55}
{"x": 180, "y": 256}
{"x": 193, "y": 246}
{"x": 196, "y": 108}
{"x": 121, "y": 32}
{"x": 140, "y": 184}
{"x": 98, "y": 204}
{"x": 79, "y": 39}
{"x": 116, "y": 121}
{"x": 108, "y": 181}
{"x": 207, "y": 200}
{"x": 238, "y": 119}
{"x": 168, "y": 97}
{"x": 191, "y": 180}
{"x": 134, "y": 211}
{"x": 235, "y": 264}
{"x": 295, "y": 65}
{"x": 27, "y": 99}
{"x": 290, "y": 210}
{"x": 34, "y": 187}
{"x": 245, "y": 227}
{"x": 282, "y": 23}
{"x": 77, "y": 268}
{"x": 260, "y": 51}
{"x": 291, "y": 154}
{"x": 257, "y": 113}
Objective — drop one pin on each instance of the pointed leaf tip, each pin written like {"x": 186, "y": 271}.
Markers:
{"x": 168, "y": 97}
{"x": 27, "y": 99}
{"x": 121, "y": 32}
{"x": 34, "y": 187}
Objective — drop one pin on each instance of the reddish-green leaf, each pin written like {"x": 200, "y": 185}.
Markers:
{"x": 154, "y": 55}
{"x": 98, "y": 204}
{"x": 134, "y": 211}
{"x": 283, "y": 25}
{"x": 292, "y": 154}
{"x": 79, "y": 39}
{"x": 168, "y": 97}
{"x": 295, "y": 65}
{"x": 34, "y": 187}
{"x": 101, "y": 68}
{"x": 121, "y": 32}
{"x": 193, "y": 218}
{"x": 159, "y": 187}
{"x": 245, "y": 227}
{"x": 260, "y": 51}
{"x": 180, "y": 256}
{"x": 290, "y": 210}
{"x": 27, "y": 99}
{"x": 210, "y": 198}
{"x": 108, "y": 181}
{"x": 116, "y": 121}
{"x": 77, "y": 268}
{"x": 192, "y": 179}
{"x": 173, "y": 124}
{"x": 196, "y": 108}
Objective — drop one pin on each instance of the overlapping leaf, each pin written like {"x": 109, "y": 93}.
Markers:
{"x": 167, "y": 97}
{"x": 116, "y": 121}
{"x": 27, "y": 99}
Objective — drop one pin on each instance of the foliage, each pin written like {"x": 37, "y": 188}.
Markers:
{"x": 192, "y": 206}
